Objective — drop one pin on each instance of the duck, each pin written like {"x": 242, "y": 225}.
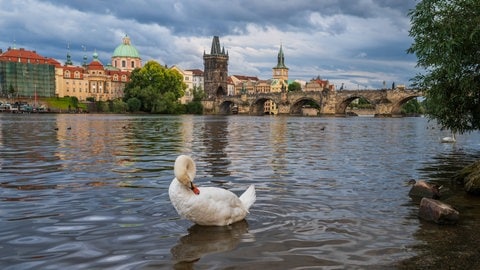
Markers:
{"x": 207, "y": 206}
{"x": 422, "y": 188}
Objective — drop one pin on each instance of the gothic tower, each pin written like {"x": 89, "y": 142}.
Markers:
{"x": 280, "y": 71}
{"x": 215, "y": 71}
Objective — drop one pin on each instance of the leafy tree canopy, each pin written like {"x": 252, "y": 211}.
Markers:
{"x": 446, "y": 41}
{"x": 157, "y": 87}
{"x": 294, "y": 86}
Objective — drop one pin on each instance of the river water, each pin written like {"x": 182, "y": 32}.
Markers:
{"x": 91, "y": 192}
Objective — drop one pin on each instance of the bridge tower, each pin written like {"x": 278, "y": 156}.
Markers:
{"x": 215, "y": 71}
{"x": 280, "y": 71}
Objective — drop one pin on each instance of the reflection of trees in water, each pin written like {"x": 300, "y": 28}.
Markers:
{"x": 204, "y": 240}
{"x": 215, "y": 141}
{"x": 448, "y": 246}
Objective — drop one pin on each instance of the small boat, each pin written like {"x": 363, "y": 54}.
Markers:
{"x": 234, "y": 109}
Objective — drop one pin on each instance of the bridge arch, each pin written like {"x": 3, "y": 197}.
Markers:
{"x": 397, "y": 107}
{"x": 258, "y": 107}
{"x": 387, "y": 102}
{"x": 297, "y": 105}
{"x": 226, "y": 107}
{"x": 342, "y": 106}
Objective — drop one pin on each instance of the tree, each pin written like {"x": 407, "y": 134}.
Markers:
{"x": 157, "y": 88}
{"x": 195, "y": 106}
{"x": 412, "y": 107}
{"x": 446, "y": 41}
{"x": 11, "y": 91}
{"x": 294, "y": 86}
{"x": 134, "y": 104}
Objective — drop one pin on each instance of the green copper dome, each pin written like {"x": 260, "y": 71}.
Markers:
{"x": 126, "y": 49}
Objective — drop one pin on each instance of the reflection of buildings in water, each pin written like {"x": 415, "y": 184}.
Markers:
{"x": 20, "y": 140}
{"x": 215, "y": 140}
{"x": 204, "y": 240}
{"x": 80, "y": 137}
{"x": 186, "y": 131}
{"x": 278, "y": 144}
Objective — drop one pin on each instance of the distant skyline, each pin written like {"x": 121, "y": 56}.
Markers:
{"x": 358, "y": 43}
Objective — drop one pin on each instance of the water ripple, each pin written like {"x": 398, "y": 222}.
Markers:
{"x": 96, "y": 196}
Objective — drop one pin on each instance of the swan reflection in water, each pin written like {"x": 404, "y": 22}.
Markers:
{"x": 203, "y": 240}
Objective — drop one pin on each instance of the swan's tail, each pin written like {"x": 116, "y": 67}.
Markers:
{"x": 248, "y": 197}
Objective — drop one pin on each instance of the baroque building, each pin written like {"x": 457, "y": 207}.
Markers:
{"x": 215, "y": 71}
{"x": 95, "y": 80}
{"x": 126, "y": 57}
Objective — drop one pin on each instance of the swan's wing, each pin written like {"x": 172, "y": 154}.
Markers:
{"x": 217, "y": 206}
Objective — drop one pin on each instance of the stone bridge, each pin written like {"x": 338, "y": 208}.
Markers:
{"x": 387, "y": 102}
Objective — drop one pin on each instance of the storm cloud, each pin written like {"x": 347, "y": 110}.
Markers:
{"x": 359, "y": 43}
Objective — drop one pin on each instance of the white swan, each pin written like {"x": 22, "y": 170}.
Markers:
{"x": 206, "y": 205}
{"x": 449, "y": 139}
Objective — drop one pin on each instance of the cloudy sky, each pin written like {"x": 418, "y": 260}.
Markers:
{"x": 360, "y": 43}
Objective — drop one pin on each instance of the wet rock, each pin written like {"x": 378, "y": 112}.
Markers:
{"x": 438, "y": 212}
{"x": 422, "y": 189}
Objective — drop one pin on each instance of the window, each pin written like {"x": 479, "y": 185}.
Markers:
{"x": 76, "y": 75}
{"x": 133, "y": 64}
{"x": 124, "y": 64}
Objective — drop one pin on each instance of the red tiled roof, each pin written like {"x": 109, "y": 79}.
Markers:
{"x": 95, "y": 65}
{"x": 23, "y": 56}
{"x": 196, "y": 72}
{"x": 246, "y": 78}
{"x": 54, "y": 62}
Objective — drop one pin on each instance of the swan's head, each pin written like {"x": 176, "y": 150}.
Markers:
{"x": 185, "y": 171}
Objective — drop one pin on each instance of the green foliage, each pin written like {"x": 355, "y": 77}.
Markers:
{"x": 294, "y": 86}
{"x": 198, "y": 93}
{"x": 102, "y": 106}
{"x": 64, "y": 103}
{"x": 447, "y": 44}
{"x": 74, "y": 102}
{"x": 134, "y": 104}
{"x": 11, "y": 90}
{"x": 195, "y": 106}
{"x": 362, "y": 103}
{"x": 412, "y": 107}
{"x": 118, "y": 106}
{"x": 157, "y": 88}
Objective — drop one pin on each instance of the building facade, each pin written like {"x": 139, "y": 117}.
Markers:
{"x": 95, "y": 80}
{"x": 26, "y": 74}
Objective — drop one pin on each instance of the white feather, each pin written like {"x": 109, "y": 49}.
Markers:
{"x": 213, "y": 206}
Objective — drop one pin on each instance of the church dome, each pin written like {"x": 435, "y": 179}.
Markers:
{"x": 126, "y": 49}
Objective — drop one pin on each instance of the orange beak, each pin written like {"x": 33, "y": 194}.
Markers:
{"x": 194, "y": 189}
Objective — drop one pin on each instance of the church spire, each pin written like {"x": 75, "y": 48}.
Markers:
{"x": 216, "y": 47}
{"x": 69, "y": 59}
{"x": 280, "y": 58}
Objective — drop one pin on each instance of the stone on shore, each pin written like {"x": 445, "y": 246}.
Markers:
{"x": 438, "y": 212}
